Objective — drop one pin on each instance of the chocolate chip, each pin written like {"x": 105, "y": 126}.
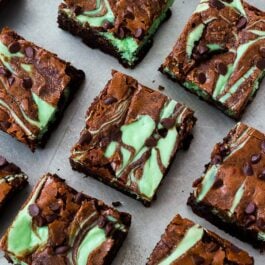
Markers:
{"x": 61, "y": 250}
{"x": 255, "y": 158}
{"x": 121, "y": 33}
{"x": 168, "y": 123}
{"x": 197, "y": 182}
{"x": 163, "y": 132}
{"x": 78, "y": 10}
{"x": 261, "y": 64}
{"x": 198, "y": 260}
{"x": 116, "y": 204}
{"x": 5, "y": 125}
{"x": 14, "y": 47}
{"x": 218, "y": 184}
{"x": 3, "y": 161}
{"x": 213, "y": 247}
{"x": 262, "y": 175}
{"x": 102, "y": 221}
{"x": 247, "y": 169}
{"x": 161, "y": 88}
{"x": 242, "y": 22}
{"x": 151, "y": 142}
{"x": 27, "y": 83}
{"x": 261, "y": 223}
{"x": 249, "y": 220}
{"x": 125, "y": 218}
{"x": 107, "y": 24}
{"x": 11, "y": 80}
{"x": 50, "y": 218}
{"x": 139, "y": 33}
{"x": 202, "y": 78}
{"x": 115, "y": 134}
{"x": 235, "y": 249}
{"x": 262, "y": 51}
{"x": 40, "y": 221}
{"x": 5, "y": 72}
{"x": 202, "y": 49}
{"x": 251, "y": 208}
{"x": 79, "y": 197}
{"x": 217, "y": 159}
{"x": 55, "y": 206}
{"x": 129, "y": 13}
{"x": 221, "y": 68}
{"x": 34, "y": 210}
{"x": 30, "y": 52}
{"x": 85, "y": 138}
{"x": 109, "y": 228}
{"x": 216, "y": 4}
{"x": 110, "y": 100}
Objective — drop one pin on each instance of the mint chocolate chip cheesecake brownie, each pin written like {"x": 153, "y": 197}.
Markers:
{"x": 35, "y": 87}
{"x": 58, "y": 225}
{"x": 131, "y": 136}
{"x": 124, "y": 29}
{"x": 12, "y": 179}
{"x": 231, "y": 193}
{"x": 186, "y": 243}
{"x": 220, "y": 55}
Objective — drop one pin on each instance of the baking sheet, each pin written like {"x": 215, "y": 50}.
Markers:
{"x": 36, "y": 21}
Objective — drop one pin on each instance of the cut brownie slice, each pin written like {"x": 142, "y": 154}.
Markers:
{"x": 35, "y": 87}
{"x": 58, "y": 225}
{"x": 187, "y": 243}
{"x": 131, "y": 136}
{"x": 231, "y": 194}
{"x": 220, "y": 55}
{"x": 124, "y": 29}
{"x": 12, "y": 179}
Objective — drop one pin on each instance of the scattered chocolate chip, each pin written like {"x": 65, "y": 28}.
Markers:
{"x": 255, "y": 158}
{"x": 251, "y": 208}
{"x": 221, "y": 68}
{"x": 55, "y": 206}
{"x": 261, "y": 223}
{"x": 224, "y": 150}
{"x": 247, "y": 169}
{"x": 107, "y": 24}
{"x": 121, "y": 33}
{"x": 139, "y": 33}
{"x": 109, "y": 228}
{"x": 198, "y": 260}
{"x": 51, "y": 218}
{"x": 217, "y": 159}
{"x": 151, "y": 142}
{"x": 262, "y": 51}
{"x": 115, "y": 134}
{"x": 261, "y": 64}
{"x": 5, "y": 72}
{"x": 168, "y": 123}
{"x": 27, "y": 83}
{"x": 61, "y": 250}
{"x": 85, "y": 138}
{"x": 242, "y": 22}
{"x": 14, "y": 47}
{"x": 197, "y": 182}
{"x": 116, "y": 204}
{"x": 11, "y": 80}
{"x": 5, "y": 125}
{"x": 34, "y": 210}
{"x": 102, "y": 221}
{"x": 30, "y": 52}
{"x": 79, "y": 197}
{"x": 110, "y": 100}
{"x": 3, "y": 161}
{"x": 202, "y": 49}
{"x": 161, "y": 88}
{"x": 162, "y": 132}
{"x": 262, "y": 175}
{"x": 218, "y": 184}
{"x": 125, "y": 218}
{"x": 202, "y": 78}
{"x": 249, "y": 220}
{"x": 78, "y": 10}
{"x": 216, "y": 4}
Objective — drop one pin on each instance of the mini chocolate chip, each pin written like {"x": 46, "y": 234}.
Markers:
{"x": 129, "y": 13}
{"x": 27, "y": 83}
{"x": 116, "y": 204}
{"x": 221, "y": 68}
{"x": 262, "y": 175}
{"x": 115, "y": 134}
{"x": 217, "y": 159}
{"x": 40, "y": 221}
{"x": 5, "y": 72}
{"x": 216, "y": 4}
{"x": 139, "y": 33}
{"x": 202, "y": 49}
{"x": 5, "y": 125}
{"x": 79, "y": 197}
{"x": 235, "y": 249}
{"x": 85, "y": 138}
{"x": 14, "y": 47}
{"x": 34, "y": 210}
{"x": 55, "y": 206}
{"x": 168, "y": 123}
{"x": 218, "y": 184}
{"x": 262, "y": 51}
{"x": 213, "y": 247}
{"x": 198, "y": 260}
{"x": 51, "y": 218}
{"x": 261, "y": 64}
{"x": 121, "y": 33}
{"x": 249, "y": 220}
{"x": 30, "y": 52}
{"x": 242, "y": 22}
{"x": 161, "y": 88}
{"x": 3, "y": 161}
{"x": 102, "y": 221}
{"x": 202, "y": 78}
{"x": 261, "y": 223}
{"x": 11, "y": 80}
{"x": 61, "y": 250}
{"x": 255, "y": 158}
{"x": 263, "y": 146}
{"x": 251, "y": 208}
{"x": 109, "y": 228}
{"x": 110, "y": 100}
{"x": 78, "y": 10}
{"x": 197, "y": 182}
{"x": 162, "y": 132}
{"x": 151, "y": 142}
{"x": 247, "y": 169}
{"x": 107, "y": 24}
{"x": 125, "y": 218}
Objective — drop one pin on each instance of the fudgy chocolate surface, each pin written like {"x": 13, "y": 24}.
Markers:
{"x": 12, "y": 179}
{"x": 232, "y": 189}
{"x": 131, "y": 136}
{"x": 58, "y": 225}
{"x": 121, "y": 28}
{"x": 35, "y": 87}
{"x": 220, "y": 55}
{"x": 187, "y": 243}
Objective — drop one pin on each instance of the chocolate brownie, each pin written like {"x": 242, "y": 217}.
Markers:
{"x": 231, "y": 193}
{"x": 124, "y": 29}
{"x": 220, "y": 55}
{"x": 35, "y": 87}
{"x": 187, "y": 243}
{"x": 58, "y": 225}
{"x": 12, "y": 179}
{"x": 131, "y": 136}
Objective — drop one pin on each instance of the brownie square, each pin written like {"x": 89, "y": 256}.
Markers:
{"x": 35, "y": 87}
{"x": 220, "y": 55}
{"x": 12, "y": 179}
{"x": 231, "y": 193}
{"x": 187, "y": 243}
{"x": 123, "y": 29}
{"x": 131, "y": 136}
{"x": 58, "y": 225}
